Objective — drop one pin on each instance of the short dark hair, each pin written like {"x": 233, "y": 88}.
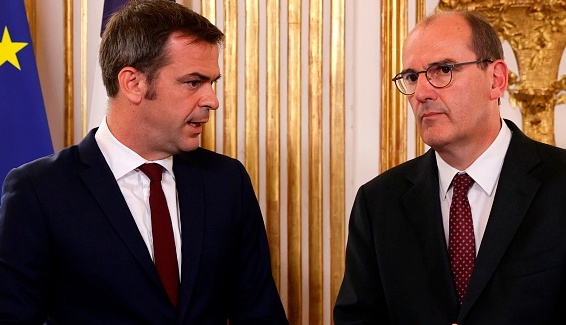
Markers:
{"x": 484, "y": 42}
{"x": 137, "y": 35}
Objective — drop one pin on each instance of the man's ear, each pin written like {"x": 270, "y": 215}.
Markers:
{"x": 499, "y": 79}
{"x": 132, "y": 84}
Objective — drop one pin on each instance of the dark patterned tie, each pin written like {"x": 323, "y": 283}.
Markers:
{"x": 163, "y": 242}
{"x": 461, "y": 243}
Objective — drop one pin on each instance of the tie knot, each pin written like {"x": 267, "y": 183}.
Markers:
{"x": 461, "y": 184}
{"x": 153, "y": 171}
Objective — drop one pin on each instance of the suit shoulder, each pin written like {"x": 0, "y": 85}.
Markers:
{"x": 59, "y": 161}
{"x": 202, "y": 155}
{"x": 403, "y": 173}
{"x": 524, "y": 148}
{"x": 552, "y": 162}
{"x": 209, "y": 161}
{"x": 550, "y": 151}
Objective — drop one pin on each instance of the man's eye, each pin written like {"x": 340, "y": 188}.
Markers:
{"x": 194, "y": 83}
{"x": 411, "y": 77}
{"x": 444, "y": 69}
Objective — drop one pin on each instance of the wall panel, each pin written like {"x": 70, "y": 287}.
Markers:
{"x": 284, "y": 117}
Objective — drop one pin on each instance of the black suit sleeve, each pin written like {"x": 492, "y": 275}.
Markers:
{"x": 361, "y": 299}
{"x": 24, "y": 253}
{"x": 256, "y": 300}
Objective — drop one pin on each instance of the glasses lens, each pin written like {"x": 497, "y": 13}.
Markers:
{"x": 407, "y": 82}
{"x": 399, "y": 83}
{"x": 439, "y": 75}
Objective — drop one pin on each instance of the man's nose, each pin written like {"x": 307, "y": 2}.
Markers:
{"x": 423, "y": 88}
{"x": 209, "y": 99}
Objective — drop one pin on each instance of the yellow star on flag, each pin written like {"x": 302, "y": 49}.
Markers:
{"x": 8, "y": 49}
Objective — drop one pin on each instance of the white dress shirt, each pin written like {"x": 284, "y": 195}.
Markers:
{"x": 134, "y": 185}
{"x": 485, "y": 171}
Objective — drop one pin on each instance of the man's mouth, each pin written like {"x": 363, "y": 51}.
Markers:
{"x": 430, "y": 114}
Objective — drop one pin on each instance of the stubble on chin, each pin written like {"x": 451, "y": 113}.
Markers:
{"x": 432, "y": 120}
{"x": 431, "y": 134}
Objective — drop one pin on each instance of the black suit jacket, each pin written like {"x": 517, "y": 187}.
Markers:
{"x": 71, "y": 253}
{"x": 397, "y": 264}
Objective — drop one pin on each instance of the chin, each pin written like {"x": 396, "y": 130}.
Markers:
{"x": 190, "y": 146}
{"x": 433, "y": 140}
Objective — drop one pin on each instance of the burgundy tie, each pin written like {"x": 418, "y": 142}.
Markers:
{"x": 163, "y": 242}
{"x": 461, "y": 242}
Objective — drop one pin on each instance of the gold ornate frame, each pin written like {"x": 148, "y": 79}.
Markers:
{"x": 394, "y": 105}
{"x": 293, "y": 155}
{"x": 536, "y": 31}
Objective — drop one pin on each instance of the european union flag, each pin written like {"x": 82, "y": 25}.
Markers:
{"x": 110, "y": 7}
{"x": 24, "y": 133}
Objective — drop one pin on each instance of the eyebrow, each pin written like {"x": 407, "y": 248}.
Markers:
{"x": 200, "y": 76}
{"x": 441, "y": 62}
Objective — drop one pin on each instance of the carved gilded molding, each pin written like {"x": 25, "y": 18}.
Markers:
{"x": 304, "y": 182}
{"x": 294, "y": 164}
{"x": 273, "y": 134}
{"x": 208, "y": 136}
{"x": 315, "y": 159}
{"x": 31, "y": 14}
{"x": 230, "y": 79}
{"x": 337, "y": 147}
{"x": 419, "y": 143}
{"x": 251, "y": 93}
{"x": 69, "y": 72}
{"x": 536, "y": 31}
{"x": 394, "y": 104}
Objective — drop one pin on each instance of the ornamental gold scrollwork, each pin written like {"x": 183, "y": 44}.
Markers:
{"x": 536, "y": 31}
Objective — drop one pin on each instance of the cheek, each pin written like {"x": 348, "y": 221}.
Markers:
{"x": 471, "y": 102}
{"x": 414, "y": 105}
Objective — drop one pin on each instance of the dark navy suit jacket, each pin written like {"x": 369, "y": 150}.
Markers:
{"x": 71, "y": 253}
{"x": 397, "y": 264}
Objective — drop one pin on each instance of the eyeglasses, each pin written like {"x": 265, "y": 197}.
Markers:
{"x": 438, "y": 75}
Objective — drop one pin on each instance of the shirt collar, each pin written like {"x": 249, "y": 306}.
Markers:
{"x": 485, "y": 170}
{"x": 120, "y": 158}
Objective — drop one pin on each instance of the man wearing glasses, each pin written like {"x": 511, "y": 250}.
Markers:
{"x": 473, "y": 231}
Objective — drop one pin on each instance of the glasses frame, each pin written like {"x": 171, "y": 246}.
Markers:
{"x": 398, "y": 79}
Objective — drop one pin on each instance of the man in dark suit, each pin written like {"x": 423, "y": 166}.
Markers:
{"x": 78, "y": 239}
{"x": 411, "y": 228}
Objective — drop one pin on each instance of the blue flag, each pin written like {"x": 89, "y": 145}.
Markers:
{"x": 24, "y": 133}
{"x": 111, "y": 6}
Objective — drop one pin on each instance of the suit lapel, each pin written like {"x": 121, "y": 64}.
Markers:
{"x": 422, "y": 204}
{"x": 515, "y": 192}
{"x": 98, "y": 178}
{"x": 190, "y": 189}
